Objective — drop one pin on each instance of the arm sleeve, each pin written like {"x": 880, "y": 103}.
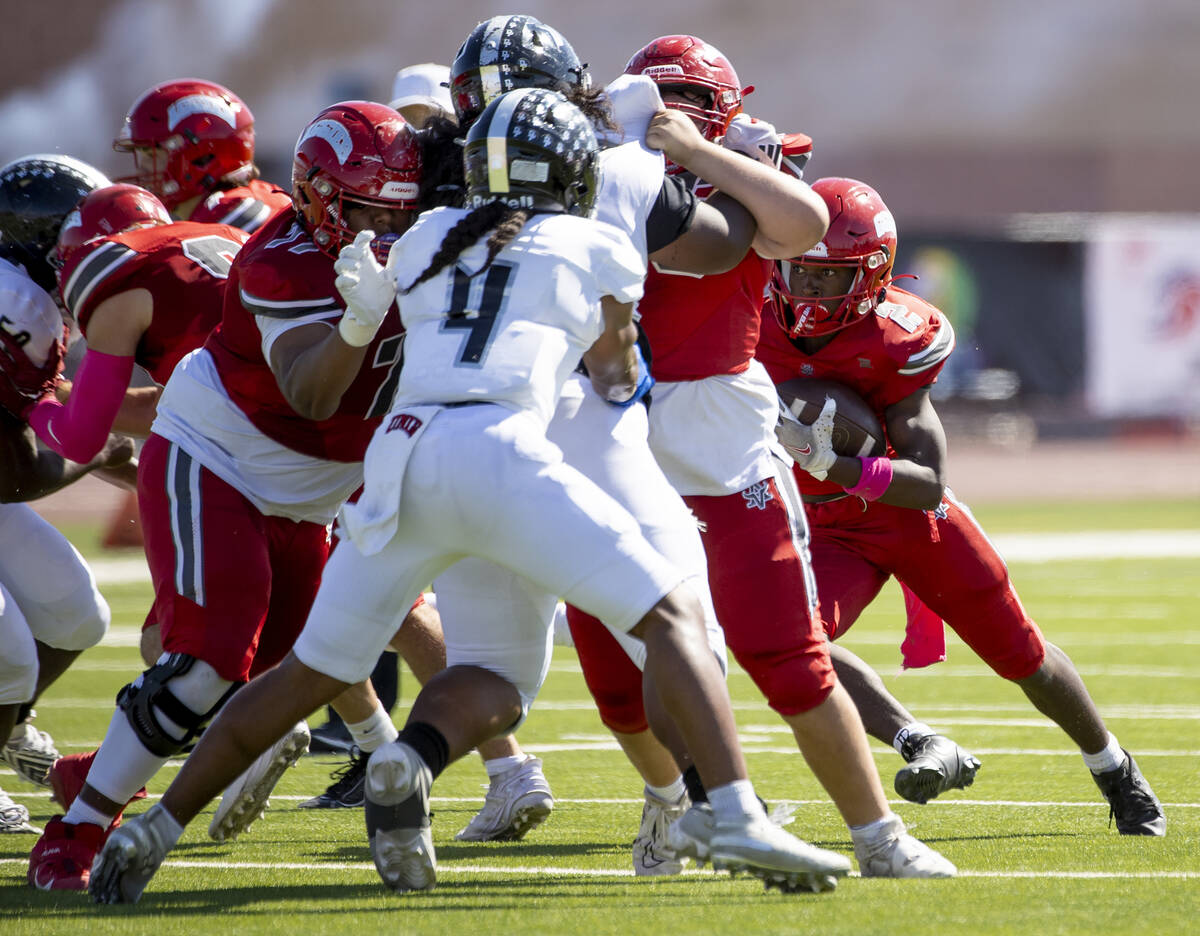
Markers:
{"x": 79, "y": 429}
{"x": 672, "y": 214}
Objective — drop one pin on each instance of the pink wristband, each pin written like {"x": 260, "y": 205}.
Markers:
{"x": 874, "y": 480}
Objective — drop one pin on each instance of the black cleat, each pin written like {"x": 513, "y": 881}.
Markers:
{"x": 935, "y": 764}
{"x": 1131, "y": 801}
{"x": 346, "y": 791}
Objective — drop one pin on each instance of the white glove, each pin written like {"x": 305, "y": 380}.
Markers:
{"x": 635, "y": 99}
{"x": 367, "y": 290}
{"x": 811, "y": 445}
{"x": 754, "y": 138}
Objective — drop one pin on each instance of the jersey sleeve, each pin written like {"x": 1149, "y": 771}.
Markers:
{"x": 101, "y": 273}
{"x": 672, "y": 214}
{"x": 617, "y": 265}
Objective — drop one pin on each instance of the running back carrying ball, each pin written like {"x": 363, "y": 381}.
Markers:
{"x": 856, "y": 428}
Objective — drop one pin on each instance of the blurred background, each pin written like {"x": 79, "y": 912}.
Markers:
{"x": 1039, "y": 155}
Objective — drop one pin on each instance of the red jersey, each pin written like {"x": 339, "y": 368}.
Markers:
{"x": 282, "y": 274}
{"x": 183, "y": 265}
{"x": 247, "y": 207}
{"x": 703, "y": 326}
{"x": 884, "y": 358}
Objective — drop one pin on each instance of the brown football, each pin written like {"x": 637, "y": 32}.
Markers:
{"x": 856, "y": 429}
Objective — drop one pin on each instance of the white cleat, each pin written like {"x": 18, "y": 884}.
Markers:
{"x": 756, "y": 845}
{"x": 896, "y": 854}
{"x": 30, "y": 753}
{"x": 14, "y": 817}
{"x": 517, "y": 800}
{"x": 397, "y": 814}
{"x": 247, "y": 797}
{"x": 652, "y": 853}
{"x": 131, "y": 855}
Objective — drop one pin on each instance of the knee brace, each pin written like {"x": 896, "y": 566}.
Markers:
{"x": 157, "y": 692}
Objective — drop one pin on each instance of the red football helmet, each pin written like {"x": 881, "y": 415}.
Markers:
{"x": 686, "y": 60}
{"x": 187, "y": 136}
{"x": 862, "y": 235}
{"x": 105, "y": 211}
{"x": 356, "y": 151}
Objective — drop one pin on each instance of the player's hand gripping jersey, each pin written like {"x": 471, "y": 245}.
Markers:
{"x": 184, "y": 266}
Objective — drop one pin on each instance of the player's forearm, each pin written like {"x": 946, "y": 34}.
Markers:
{"x": 137, "y": 411}
{"x": 911, "y": 485}
{"x": 315, "y": 379}
{"x": 790, "y": 216}
{"x": 28, "y": 473}
{"x": 78, "y": 429}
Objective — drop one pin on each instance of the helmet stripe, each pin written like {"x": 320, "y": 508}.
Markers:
{"x": 497, "y": 141}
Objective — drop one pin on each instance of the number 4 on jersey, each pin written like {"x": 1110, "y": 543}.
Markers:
{"x": 479, "y": 321}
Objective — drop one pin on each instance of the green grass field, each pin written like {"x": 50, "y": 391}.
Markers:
{"x": 1031, "y": 837}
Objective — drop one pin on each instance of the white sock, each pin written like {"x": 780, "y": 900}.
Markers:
{"x": 912, "y": 730}
{"x": 121, "y": 768}
{"x": 735, "y": 801}
{"x": 868, "y": 834}
{"x": 499, "y": 765}
{"x": 374, "y": 731}
{"x": 1109, "y": 757}
{"x": 672, "y": 793}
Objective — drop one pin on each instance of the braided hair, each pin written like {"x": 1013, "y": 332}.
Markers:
{"x": 504, "y": 221}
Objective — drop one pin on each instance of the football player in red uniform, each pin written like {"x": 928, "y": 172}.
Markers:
{"x": 258, "y": 439}
{"x": 712, "y": 431}
{"x": 836, "y": 314}
{"x": 193, "y": 146}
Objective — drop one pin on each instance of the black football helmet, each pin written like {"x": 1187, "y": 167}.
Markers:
{"x": 36, "y": 194}
{"x": 551, "y": 156}
{"x": 508, "y": 52}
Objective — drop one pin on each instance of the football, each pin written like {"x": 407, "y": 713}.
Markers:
{"x": 856, "y": 429}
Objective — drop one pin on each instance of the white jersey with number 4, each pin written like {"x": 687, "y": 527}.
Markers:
{"x": 512, "y": 334}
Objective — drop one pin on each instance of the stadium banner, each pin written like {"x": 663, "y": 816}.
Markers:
{"x": 1142, "y": 302}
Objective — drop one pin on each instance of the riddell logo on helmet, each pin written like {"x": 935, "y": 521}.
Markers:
{"x": 201, "y": 104}
{"x": 399, "y": 191}
{"x": 659, "y": 71}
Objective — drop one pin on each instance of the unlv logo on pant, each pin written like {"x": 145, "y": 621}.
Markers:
{"x": 404, "y": 421}
{"x": 757, "y": 495}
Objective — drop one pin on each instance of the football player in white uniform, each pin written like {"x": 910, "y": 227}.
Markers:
{"x": 500, "y": 301}
{"x": 50, "y": 609}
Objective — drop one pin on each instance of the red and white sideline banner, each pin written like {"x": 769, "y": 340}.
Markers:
{"x": 1142, "y": 309}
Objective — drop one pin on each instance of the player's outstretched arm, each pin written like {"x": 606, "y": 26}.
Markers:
{"x": 27, "y": 472}
{"x": 789, "y": 216}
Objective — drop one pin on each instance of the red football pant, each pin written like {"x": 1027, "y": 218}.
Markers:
{"x": 231, "y": 587}
{"x": 943, "y": 556}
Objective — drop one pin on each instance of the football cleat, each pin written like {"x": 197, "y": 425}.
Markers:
{"x": 935, "y": 764}
{"x": 30, "y": 753}
{"x": 346, "y": 791}
{"x": 67, "y": 776}
{"x": 246, "y": 798}
{"x": 517, "y": 800}
{"x": 62, "y": 858}
{"x": 1131, "y": 801}
{"x": 13, "y": 817}
{"x": 755, "y": 845}
{"x": 892, "y": 852}
{"x": 130, "y": 857}
{"x": 652, "y": 855}
{"x": 398, "y": 820}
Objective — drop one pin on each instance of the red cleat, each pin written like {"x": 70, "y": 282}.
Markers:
{"x": 67, "y": 776}
{"x": 62, "y": 858}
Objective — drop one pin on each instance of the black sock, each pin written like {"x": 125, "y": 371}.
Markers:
{"x": 429, "y": 743}
{"x": 691, "y": 779}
